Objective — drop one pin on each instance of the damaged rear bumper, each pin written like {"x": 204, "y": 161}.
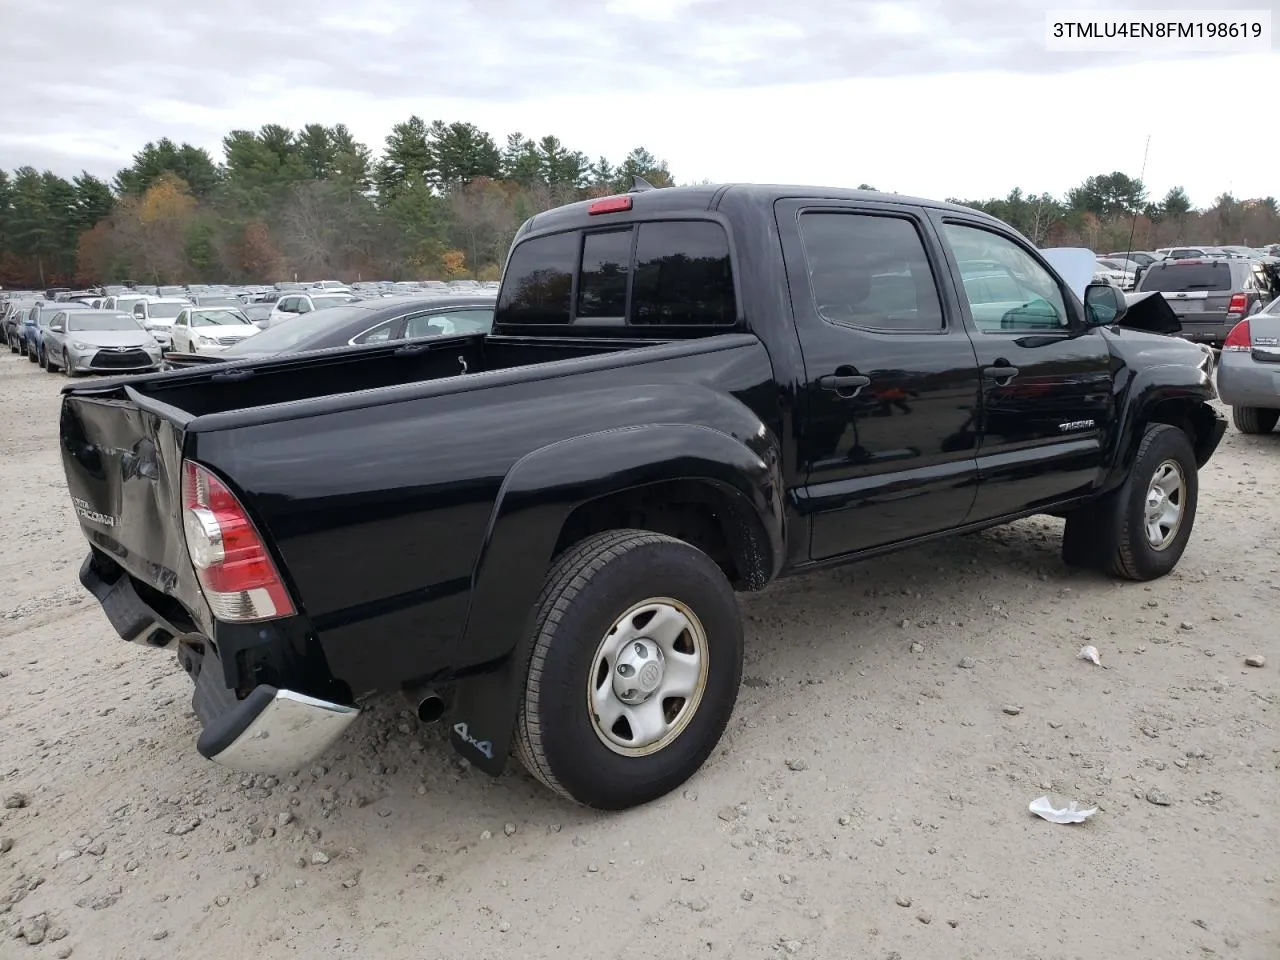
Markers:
{"x": 271, "y": 729}
{"x": 274, "y": 731}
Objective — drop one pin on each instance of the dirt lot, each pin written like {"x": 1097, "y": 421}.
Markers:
{"x": 870, "y": 798}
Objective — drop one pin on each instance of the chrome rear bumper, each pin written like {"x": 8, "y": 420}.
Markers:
{"x": 274, "y": 731}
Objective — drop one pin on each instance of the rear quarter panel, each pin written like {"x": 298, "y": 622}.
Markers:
{"x": 380, "y": 514}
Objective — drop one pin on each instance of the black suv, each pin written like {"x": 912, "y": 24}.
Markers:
{"x": 1210, "y": 296}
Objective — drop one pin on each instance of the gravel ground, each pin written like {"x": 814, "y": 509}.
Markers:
{"x": 869, "y": 799}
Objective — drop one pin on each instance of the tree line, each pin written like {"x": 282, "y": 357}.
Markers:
{"x": 440, "y": 200}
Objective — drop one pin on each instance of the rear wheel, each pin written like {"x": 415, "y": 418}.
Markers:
{"x": 1255, "y": 419}
{"x": 634, "y": 671}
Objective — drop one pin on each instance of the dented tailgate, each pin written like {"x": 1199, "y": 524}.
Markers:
{"x": 122, "y": 456}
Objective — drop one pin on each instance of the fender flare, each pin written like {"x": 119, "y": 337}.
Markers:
{"x": 1148, "y": 389}
{"x": 536, "y": 499}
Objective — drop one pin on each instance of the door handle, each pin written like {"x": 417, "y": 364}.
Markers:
{"x": 1002, "y": 372}
{"x": 846, "y": 385}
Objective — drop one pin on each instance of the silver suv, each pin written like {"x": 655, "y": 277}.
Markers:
{"x": 1210, "y": 296}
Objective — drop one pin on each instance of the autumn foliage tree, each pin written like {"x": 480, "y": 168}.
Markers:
{"x": 439, "y": 199}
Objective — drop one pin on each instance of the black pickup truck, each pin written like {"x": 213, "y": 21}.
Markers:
{"x": 538, "y": 532}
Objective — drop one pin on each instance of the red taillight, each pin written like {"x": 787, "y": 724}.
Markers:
{"x": 609, "y": 205}
{"x": 239, "y": 579}
{"x": 1239, "y": 338}
{"x": 1239, "y": 303}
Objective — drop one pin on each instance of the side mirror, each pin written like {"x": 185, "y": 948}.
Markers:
{"x": 56, "y": 328}
{"x": 1104, "y": 304}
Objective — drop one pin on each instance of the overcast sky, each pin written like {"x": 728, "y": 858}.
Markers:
{"x": 942, "y": 98}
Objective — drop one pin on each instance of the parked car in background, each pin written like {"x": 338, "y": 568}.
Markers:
{"x": 1140, "y": 257}
{"x": 1210, "y": 296}
{"x": 97, "y": 341}
{"x": 156, "y": 314}
{"x": 216, "y": 300}
{"x": 370, "y": 321}
{"x": 296, "y": 304}
{"x": 259, "y": 314}
{"x": 1114, "y": 272}
{"x": 37, "y": 318}
{"x": 1182, "y": 253}
{"x": 210, "y": 329}
{"x": 124, "y": 301}
{"x": 11, "y": 318}
{"x": 1249, "y": 371}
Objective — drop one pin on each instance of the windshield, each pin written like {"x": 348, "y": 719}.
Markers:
{"x": 165, "y": 311}
{"x": 1180, "y": 277}
{"x": 290, "y": 333}
{"x": 219, "y": 317}
{"x": 100, "y": 320}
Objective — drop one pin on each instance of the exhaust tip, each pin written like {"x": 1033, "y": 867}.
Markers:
{"x": 430, "y": 708}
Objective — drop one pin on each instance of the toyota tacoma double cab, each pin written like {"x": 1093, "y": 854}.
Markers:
{"x": 537, "y": 532}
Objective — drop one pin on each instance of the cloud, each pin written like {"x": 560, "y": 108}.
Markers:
{"x": 136, "y": 70}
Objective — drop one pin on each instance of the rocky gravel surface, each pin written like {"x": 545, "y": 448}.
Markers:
{"x": 869, "y": 799}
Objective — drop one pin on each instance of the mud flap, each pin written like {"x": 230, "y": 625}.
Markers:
{"x": 483, "y": 719}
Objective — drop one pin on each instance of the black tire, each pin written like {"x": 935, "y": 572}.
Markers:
{"x": 45, "y": 364}
{"x": 1109, "y": 534}
{"x": 588, "y": 588}
{"x": 13, "y": 344}
{"x": 1255, "y": 419}
{"x": 67, "y": 369}
{"x": 31, "y": 352}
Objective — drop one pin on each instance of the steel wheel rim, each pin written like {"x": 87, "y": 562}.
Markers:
{"x": 1165, "y": 505}
{"x": 666, "y": 679}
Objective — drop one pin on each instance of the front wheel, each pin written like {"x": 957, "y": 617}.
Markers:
{"x": 31, "y": 353}
{"x": 13, "y": 343}
{"x": 1255, "y": 419}
{"x": 67, "y": 368}
{"x": 634, "y": 671}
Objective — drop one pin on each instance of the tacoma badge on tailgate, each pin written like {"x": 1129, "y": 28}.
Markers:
{"x": 85, "y": 509}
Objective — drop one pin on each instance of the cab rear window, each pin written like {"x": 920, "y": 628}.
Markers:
{"x": 1185, "y": 277}
{"x": 673, "y": 273}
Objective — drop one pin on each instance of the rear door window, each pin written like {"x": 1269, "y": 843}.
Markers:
{"x": 870, "y": 271}
{"x": 1185, "y": 277}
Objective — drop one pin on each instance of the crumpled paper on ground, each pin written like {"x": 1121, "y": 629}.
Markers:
{"x": 1071, "y": 813}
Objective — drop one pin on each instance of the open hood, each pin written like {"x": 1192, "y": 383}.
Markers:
{"x": 1146, "y": 311}
{"x": 1076, "y": 265}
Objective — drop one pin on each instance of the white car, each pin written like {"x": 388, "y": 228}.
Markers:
{"x": 156, "y": 314}
{"x": 210, "y": 330}
{"x": 294, "y": 304}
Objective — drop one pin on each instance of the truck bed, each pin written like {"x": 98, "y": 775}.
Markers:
{"x": 204, "y": 389}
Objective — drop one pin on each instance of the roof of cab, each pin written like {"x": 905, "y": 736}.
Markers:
{"x": 660, "y": 200}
